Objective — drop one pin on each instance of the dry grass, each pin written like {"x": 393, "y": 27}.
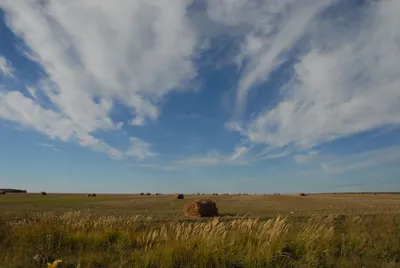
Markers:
{"x": 139, "y": 231}
{"x": 82, "y": 239}
{"x": 161, "y": 207}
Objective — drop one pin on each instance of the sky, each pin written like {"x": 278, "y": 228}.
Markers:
{"x": 256, "y": 96}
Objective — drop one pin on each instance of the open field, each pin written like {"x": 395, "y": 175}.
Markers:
{"x": 348, "y": 230}
{"x": 163, "y": 207}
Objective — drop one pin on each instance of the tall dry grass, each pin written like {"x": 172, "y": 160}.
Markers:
{"x": 84, "y": 240}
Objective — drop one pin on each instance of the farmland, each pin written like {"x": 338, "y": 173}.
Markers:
{"x": 343, "y": 230}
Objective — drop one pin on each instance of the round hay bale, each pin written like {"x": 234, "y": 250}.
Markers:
{"x": 201, "y": 208}
{"x": 43, "y": 193}
{"x": 179, "y": 196}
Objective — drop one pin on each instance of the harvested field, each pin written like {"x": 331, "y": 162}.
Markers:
{"x": 251, "y": 231}
{"x": 160, "y": 207}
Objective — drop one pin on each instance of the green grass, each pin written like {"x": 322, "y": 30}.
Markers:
{"x": 137, "y": 231}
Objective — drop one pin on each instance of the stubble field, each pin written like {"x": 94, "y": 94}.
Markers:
{"x": 342, "y": 230}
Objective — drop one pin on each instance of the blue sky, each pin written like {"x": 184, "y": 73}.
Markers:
{"x": 200, "y": 96}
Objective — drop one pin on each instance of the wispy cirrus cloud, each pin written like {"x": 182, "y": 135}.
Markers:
{"x": 18, "y": 108}
{"x": 51, "y": 146}
{"x": 94, "y": 54}
{"x": 341, "y": 80}
{"x": 306, "y": 158}
{"x": 270, "y": 29}
{"x": 212, "y": 158}
{"x": 331, "y": 164}
{"x": 137, "y": 121}
{"x": 6, "y": 68}
{"x": 338, "y": 87}
{"x": 139, "y": 149}
{"x": 15, "y": 107}
{"x": 363, "y": 160}
{"x": 33, "y": 92}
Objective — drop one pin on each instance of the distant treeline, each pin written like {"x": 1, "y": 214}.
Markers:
{"x": 13, "y": 191}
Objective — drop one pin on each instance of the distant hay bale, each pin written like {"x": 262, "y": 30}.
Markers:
{"x": 201, "y": 208}
{"x": 302, "y": 194}
{"x": 179, "y": 196}
{"x": 43, "y": 193}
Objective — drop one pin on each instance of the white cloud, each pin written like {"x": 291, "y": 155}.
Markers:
{"x": 305, "y": 158}
{"x": 5, "y": 67}
{"x": 32, "y": 91}
{"x": 235, "y": 126}
{"x": 96, "y": 53}
{"x": 132, "y": 52}
{"x": 212, "y": 158}
{"x": 51, "y": 146}
{"x": 238, "y": 153}
{"x": 137, "y": 121}
{"x": 367, "y": 159}
{"x": 139, "y": 149}
{"x": 346, "y": 83}
{"x": 237, "y": 157}
{"x": 271, "y": 28}
{"x": 17, "y": 108}
{"x": 324, "y": 166}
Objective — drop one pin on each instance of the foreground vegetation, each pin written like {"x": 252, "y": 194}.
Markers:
{"x": 84, "y": 240}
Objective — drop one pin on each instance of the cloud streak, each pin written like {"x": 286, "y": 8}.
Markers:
{"x": 139, "y": 149}
{"x": 363, "y": 160}
{"x": 93, "y": 54}
{"x": 51, "y": 146}
{"x": 96, "y": 56}
{"x": 6, "y": 68}
{"x": 344, "y": 83}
